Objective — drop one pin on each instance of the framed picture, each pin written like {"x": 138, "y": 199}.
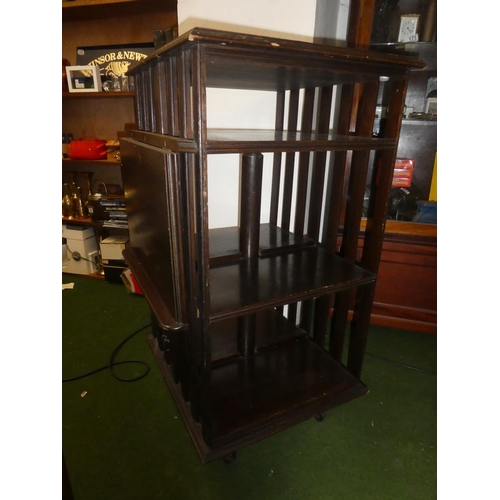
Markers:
{"x": 83, "y": 79}
{"x": 113, "y": 60}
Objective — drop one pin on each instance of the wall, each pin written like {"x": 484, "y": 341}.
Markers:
{"x": 331, "y": 22}
{"x": 292, "y": 19}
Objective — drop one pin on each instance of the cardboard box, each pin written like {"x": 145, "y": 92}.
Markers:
{"x": 112, "y": 247}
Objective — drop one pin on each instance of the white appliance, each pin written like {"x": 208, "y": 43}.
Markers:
{"x": 81, "y": 255}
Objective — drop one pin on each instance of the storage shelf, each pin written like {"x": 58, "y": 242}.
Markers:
{"x": 416, "y": 121}
{"x": 224, "y": 242}
{"x": 99, "y": 9}
{"x": 249, "y": 285}
{"x": 113, "y": 163}
{"x": 246, "y": 286}
{"x": 221, "y": 141}
{"x": 296, "y": 377}
{"x": 82, "y": 221}
{"x": 98, "y": 95}
{"x": 293, "y": 381}
{"x": 248, "y": 141}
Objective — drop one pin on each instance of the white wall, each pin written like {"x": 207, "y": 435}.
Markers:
{"x": 291, "y": 19}
{"x": 331, "y": 22}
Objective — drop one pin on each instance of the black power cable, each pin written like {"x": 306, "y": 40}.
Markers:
{"x": 422, "y": 370}
{"x": 396, "y": 363}
{"x": 112, "y": 363}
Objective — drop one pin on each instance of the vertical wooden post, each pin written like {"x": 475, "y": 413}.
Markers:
{"x": 250, "y": 200}
{"x": 360, "y": 23}
{"x": 250, "y": 204}
{"x": 246, "y": 335}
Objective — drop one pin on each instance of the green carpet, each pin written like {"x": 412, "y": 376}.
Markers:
{"x": 126, "y": 440}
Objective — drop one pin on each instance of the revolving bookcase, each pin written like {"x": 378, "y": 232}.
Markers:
{"x": 249, "y": 322}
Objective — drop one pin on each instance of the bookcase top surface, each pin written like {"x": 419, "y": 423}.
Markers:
{"x": 220, "y": 46}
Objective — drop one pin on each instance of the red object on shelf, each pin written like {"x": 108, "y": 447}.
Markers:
{"x": 88, "y": 148}
{"x": 403, "y": 172}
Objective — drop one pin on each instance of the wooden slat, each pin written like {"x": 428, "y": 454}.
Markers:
{"x": 172, "y": 93}
{"x": 184, "y": 94}
{"x": 160, "y": 96}
{"x": 293, "y": 110}
{"x": 139, "y": 100}
{"x": 317, "y": 180}
{"x": 276, "y": 180}
{"x": 303, "y": 173}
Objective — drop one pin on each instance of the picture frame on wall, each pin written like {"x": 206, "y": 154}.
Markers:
{"x": 114, "y": 60}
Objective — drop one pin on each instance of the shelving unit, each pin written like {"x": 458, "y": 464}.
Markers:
{"x": 105, "y": 115}
{"x": 418, "y": 137}
{"x": 102, "y": 9}
{"x": 241, "y": 315}
{"x": 406, "y": 294}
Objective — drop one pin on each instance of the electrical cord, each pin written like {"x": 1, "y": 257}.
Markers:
{"x": 77, "y": 256}
{"x": 397, "y": 363}
{"x": 422, "y": 370}
{"x": 112, "y": 363}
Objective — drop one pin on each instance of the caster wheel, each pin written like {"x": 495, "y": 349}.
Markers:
{"x": 228, "y": 459}
{"x": 319, "y": 417}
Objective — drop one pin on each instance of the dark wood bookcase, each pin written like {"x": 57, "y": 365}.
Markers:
{"x": 250, "y": 322}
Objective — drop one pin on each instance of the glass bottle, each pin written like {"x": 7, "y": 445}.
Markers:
{"x": 86, "y": 191}
{"x": 76, "y": 201}
{"x": 66, "y": 201}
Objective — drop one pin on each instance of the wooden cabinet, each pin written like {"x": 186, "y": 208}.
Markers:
{"x": 406, "y": 291}
{"x": 241, "y": 315}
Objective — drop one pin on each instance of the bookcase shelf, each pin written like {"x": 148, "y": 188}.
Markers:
{"x": 244, "y": 286}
